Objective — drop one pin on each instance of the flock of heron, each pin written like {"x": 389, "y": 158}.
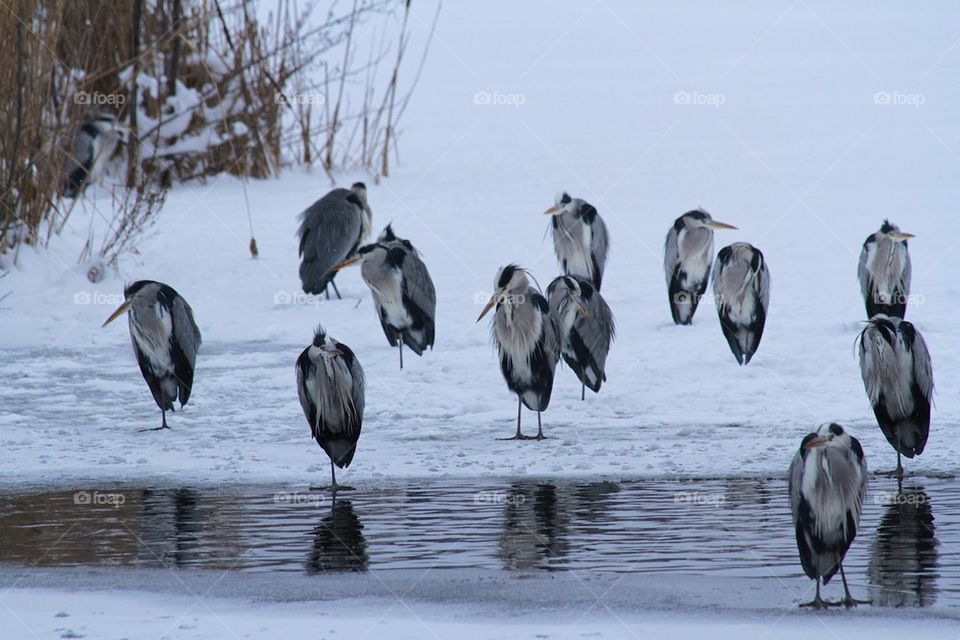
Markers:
{"x": 533, "y": 329}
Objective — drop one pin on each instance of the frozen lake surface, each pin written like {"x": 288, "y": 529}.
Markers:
{"x": 905, "y": 555}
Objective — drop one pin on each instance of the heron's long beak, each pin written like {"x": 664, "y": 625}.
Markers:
{"x": 900, "y": 237}
{"x": 582, "y": 308}
{"x": 493, "y": 300}
{"x": 122, "y": 309}
{"x": 819, "y": 441}
{"x": 720, "y": 225}
{"x": 554, "y": 210}
{"x": 347, "y": 263}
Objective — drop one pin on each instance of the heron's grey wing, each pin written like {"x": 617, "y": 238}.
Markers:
{"x": 187, "y": 339}
{"x": 599, "y": 245}
{"x": 922, "y": 367}
{"x": 329, "y": 234}
{"x": 597, "y": 331}
{"x": 305, "y": 368}
{"x": 358, "y": 392}
{"x": 863, "y": 273}
{"x": 763, "y": 287}
{"x": 795, "y": 478}
{"x": 906, "y": 275}
{"x": 418, "y": 285}
{"x": 671, "y": 254}
{"x": 867, "y": 349}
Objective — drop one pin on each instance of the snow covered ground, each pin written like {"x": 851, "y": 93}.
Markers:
{"x": 803, "y": 123}
{"x": 43, "y": 614}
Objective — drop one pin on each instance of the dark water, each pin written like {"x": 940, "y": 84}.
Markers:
{"x": 906, "y": 553}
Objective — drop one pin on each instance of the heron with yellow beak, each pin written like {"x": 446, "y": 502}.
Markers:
{"x": 579, "y": 238}
{"x": 528, "y": 342}
{"x": 165, "y": 340}
{"x": 687, "y": 261}
{"x": 403, "y": 293}
{"x": 884, "y": 271}
{"x": 828, "y": 481}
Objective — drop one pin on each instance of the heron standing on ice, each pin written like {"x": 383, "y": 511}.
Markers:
{"x": 165, "y": 339}
{"x": 898, "y": 377}
{"x": 884, "y": 271}
{"x": 586, "y": 329}
{"x": 403, "y": 292}
{"x": 687, "y": 258}
{"x": 527, "y": 339}
{"x": 579, "y": 238}
{"x": 331, "y": 231}
{"x": 828, "y": 480}
{"x": 330, "y": 384}
{"x": 741, "y": 289}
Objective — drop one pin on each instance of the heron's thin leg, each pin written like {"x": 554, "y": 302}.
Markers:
{"x": 540, "y": 435}
{"x": 335, "y": 290}
{"x": 848, "y": 600}
{"x": 518, "y": 436}
{"x": 326, "y": 292}
{"x": 400, "y": 344}
{"x": 519, "y": 407}
{"x": 817, "y": 602}
{"x": 333, "y": 477}
{"x": 164, "y": 425}
{"x": 583, "y": 391}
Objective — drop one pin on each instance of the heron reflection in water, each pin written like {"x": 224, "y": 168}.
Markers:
{"x": 904, "y": 555}
{"x": 338, "y": 542}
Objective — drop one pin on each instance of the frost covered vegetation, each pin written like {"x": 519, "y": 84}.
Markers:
{"x": 197, "y": 88}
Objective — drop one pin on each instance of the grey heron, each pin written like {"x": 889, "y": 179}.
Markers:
{"x": 884, "y": 271}
{"x": 403, "y": 292}
{"x": 165, "y": 340}
{"x": 330, "y": 384}
{"x": 741, "y": 290}
{"x": 586, "y": 328}
{"x": 331, "y": 231}
{"x": 579, "y": 238}
{"x": 527, "y": 339}
{"x": 898, "y": 378}
{"x": 687, "y": 258}
{"x": 93, "y": 144}
{"x": 828, "y": 480}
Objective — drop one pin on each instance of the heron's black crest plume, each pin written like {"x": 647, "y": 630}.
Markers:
{"x": 887, "y": 226}
{"x": 359, "y": 185}
{"x": 565, "y": 198}
{"x": 506, "y": 273}
{"x": 319, "y": 336}
{"x": 388, "y": 234}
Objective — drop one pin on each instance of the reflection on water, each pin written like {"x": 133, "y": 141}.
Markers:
{"x": 736, "y": 528}
{"x": 904, "y": 556}
{"x": 338, "y": 544}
